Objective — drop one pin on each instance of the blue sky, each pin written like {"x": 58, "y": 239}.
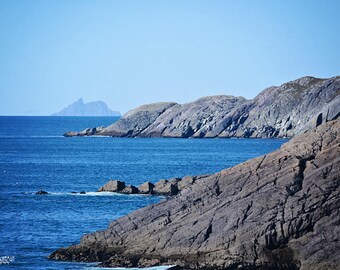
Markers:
{"x": 129, "y": 53}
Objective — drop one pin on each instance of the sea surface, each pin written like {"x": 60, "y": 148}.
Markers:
{"x": 35, "y": 156}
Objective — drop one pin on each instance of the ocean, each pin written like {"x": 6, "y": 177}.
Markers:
{"x": 35, "y": 156}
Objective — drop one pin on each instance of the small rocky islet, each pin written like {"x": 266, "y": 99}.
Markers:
{"x": 278, "y": 211}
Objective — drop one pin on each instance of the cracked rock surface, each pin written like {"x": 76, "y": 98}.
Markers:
{"x": 282, "y": 111}
{"x": 278, "y": 211}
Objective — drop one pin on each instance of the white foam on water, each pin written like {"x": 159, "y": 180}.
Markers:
{"x": 6, "y": 259}
{"x": 93, "y": 193}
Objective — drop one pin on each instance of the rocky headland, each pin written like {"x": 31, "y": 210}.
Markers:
{"x": 278, "y": 211}
{"x": 277, "y": 112}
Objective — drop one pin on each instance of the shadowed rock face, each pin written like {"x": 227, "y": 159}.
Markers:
{"x": 278, "y": 211}
{"x": 283, "y": 111}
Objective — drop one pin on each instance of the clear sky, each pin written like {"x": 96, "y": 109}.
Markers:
{"x": 129, "y": 53}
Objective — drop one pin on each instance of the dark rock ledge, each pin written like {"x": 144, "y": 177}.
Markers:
{"x": 163, "y": 187}
{"x": 278, "y": 211}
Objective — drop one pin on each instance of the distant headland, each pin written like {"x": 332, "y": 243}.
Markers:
{"x": 277, "y": 112}
{"x": 79, "y": 108}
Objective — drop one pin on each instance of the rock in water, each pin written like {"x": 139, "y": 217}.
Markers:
{"x": 130, "y": 189}
{"x": 278, "y": 211}
{"x": 146, "y": 188}
{"x": 41, "y": 192}
{"x": 112, "y": 186}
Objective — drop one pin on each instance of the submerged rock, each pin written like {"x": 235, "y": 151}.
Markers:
{"x": 41, "y": 192}
{"x": 278, "y": 211}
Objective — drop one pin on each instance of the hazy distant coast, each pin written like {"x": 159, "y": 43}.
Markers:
{"x": 79, "y": 108}
{"x": 276, "y": 112}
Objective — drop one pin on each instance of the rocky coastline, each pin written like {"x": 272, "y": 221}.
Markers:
{"x": 277, "y": 112}
{"x": 278, "y": 211}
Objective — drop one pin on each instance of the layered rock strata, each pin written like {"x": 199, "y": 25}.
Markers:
{"x": 278, "y": 211}
{"x": 283, "y": 111}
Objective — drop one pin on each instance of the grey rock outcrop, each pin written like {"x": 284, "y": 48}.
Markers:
{"x": 79, "y": 108}
{"x": 278, "y": 211}
{"x": 283, "y": 111}
{"x": 146, "y": 188}
{"x": 112, "y": 186}
{"x": 130, "y": 189}
{"x": 165, "y": 187}
{"x": 137, "y": 120}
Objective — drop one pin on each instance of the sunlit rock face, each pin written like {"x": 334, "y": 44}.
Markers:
{"x": 277, "y": 112}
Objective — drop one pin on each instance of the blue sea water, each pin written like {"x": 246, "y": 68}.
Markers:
{"x": 34, "y": 156}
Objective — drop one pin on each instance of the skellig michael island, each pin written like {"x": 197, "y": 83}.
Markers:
{"x": 79, "y": 108}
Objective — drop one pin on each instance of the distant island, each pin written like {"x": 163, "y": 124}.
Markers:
{"x": 79, "y": 108}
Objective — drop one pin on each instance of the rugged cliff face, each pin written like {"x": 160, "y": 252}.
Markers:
{"x": 283, "y": 111}
{"x": 278, "y": 211}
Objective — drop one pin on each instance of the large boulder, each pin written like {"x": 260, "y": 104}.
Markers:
{"x": 279, "y": 211}
{"x": 130, "y": 189}
{"x": 186, "y": 181}
{"x": 164, "y": 187}
{"x": 112, "y": 186}
{"x": 146, "y": 188}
